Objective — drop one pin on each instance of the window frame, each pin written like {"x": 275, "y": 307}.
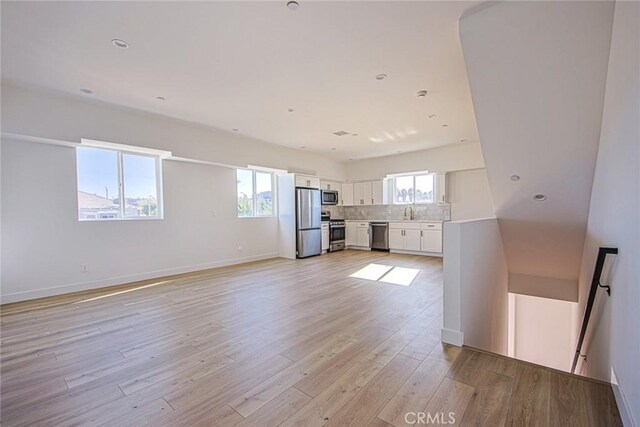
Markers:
{"x": 413, "y": 176}
{"x": 121, "y": 186}
{"x": 255, "y": 193}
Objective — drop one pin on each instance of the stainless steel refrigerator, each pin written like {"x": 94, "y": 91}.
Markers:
{"x": 308, "y": 223}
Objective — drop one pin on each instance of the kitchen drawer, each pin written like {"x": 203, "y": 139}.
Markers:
{"x": 405, "y": 225}
{"x": 363, "y": 225}
{"x": 431, "y": 226}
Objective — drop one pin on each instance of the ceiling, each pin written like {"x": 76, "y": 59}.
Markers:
{"x": 243, "y": 65}
{"x": 538, "y": 89}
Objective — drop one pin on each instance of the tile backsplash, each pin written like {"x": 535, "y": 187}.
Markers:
{"x": 436, "y": 212}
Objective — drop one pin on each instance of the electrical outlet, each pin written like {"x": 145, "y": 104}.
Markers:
{"x": 84, "y": 268}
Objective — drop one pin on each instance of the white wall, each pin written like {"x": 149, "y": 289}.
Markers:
{"x": 52, "y": 115}
{"x": 475, "y": 285}
{"x": 467, "y": 183}
{"x": 441, "y": 159}
{"x": 614, "y": 219}
{"x": 44, "y": 244}
{"x": 543, "y": 330}
{"x": 469, "y": 194}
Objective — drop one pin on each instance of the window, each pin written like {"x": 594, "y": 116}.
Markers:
{"x": 414, "y": 189}
{"x": 114, "y": 184}
{"x": 255, "y": 193}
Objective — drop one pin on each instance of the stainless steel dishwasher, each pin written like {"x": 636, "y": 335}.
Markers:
{"x": 379, "y": 236}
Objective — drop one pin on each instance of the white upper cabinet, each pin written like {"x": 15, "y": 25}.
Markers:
{"x": 441, "y": 187}
{"x": 362, "y": 193}
{"x": 368, "y": 195}
{"x": 356, "y": 194}
{"x": 346, "y": 197}
{"x": 307, "y": 181}
{"x": 330, "y": 185}
{"x": 377, "y": 190}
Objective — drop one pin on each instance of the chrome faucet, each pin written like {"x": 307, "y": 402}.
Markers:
{"x": 410, "y": 212}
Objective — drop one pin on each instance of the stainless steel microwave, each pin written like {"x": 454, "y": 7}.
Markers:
{"x": 329, "y": 197}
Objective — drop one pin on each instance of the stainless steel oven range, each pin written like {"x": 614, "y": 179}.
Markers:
{"x": 337, "y": 234}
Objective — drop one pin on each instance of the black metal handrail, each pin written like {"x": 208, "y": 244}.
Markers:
{"x": 595, "y": 283}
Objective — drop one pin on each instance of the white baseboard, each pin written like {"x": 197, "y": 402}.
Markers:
{"x": 399, "y": 251}
{"x": 450, "y": 336}
{"x": 621, "y": 401}
{"x": 113, "y": 281}
{"x": 402, "y": 251}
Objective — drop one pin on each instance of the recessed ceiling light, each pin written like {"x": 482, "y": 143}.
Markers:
{"x": 431, "y": 116}
{"x": 341, "y": 133}
{"x": 293, "y": 5}
{"x": 291, "y": 110}
{"x": 381, "y": 76}
{"x": 235, "y": 129}
{"x": 87, "y": 91}
{"x": 445, "y": 126}
{"x": 539, "y": 197}
{"x": 354, "y": 134}
{"x": 302, "y": 146}
{"x": 161, "y": 98}
{"x": 515, "y": 178}
{"x": 120, "y": 44}
{"x": 422, "y": 93}
{"x": 333, "y": 149}
{"x": 463, "y": 140}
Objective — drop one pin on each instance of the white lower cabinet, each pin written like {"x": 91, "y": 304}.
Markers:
{"x": 412, "y": 240}
{"x": 431, "y": 237}
{"x": 404, "y": 236}
{"x": 357, "y": 234}
{"x": 363, "y": 236}
{"x": 417, "y": 237}
{"x": 396, "y": 238}
{"x": 352, "y": 234}
{"x": 325, "y": 237}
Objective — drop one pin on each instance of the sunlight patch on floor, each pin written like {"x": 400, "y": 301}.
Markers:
{"x": 121, "y": 292}
{"x": 372, "y": 271}
{"x": 387, "y": 274}
{"x": 400, "y": 276}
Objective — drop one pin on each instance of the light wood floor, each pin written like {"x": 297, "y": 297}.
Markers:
{"x": 269, "y": 343}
